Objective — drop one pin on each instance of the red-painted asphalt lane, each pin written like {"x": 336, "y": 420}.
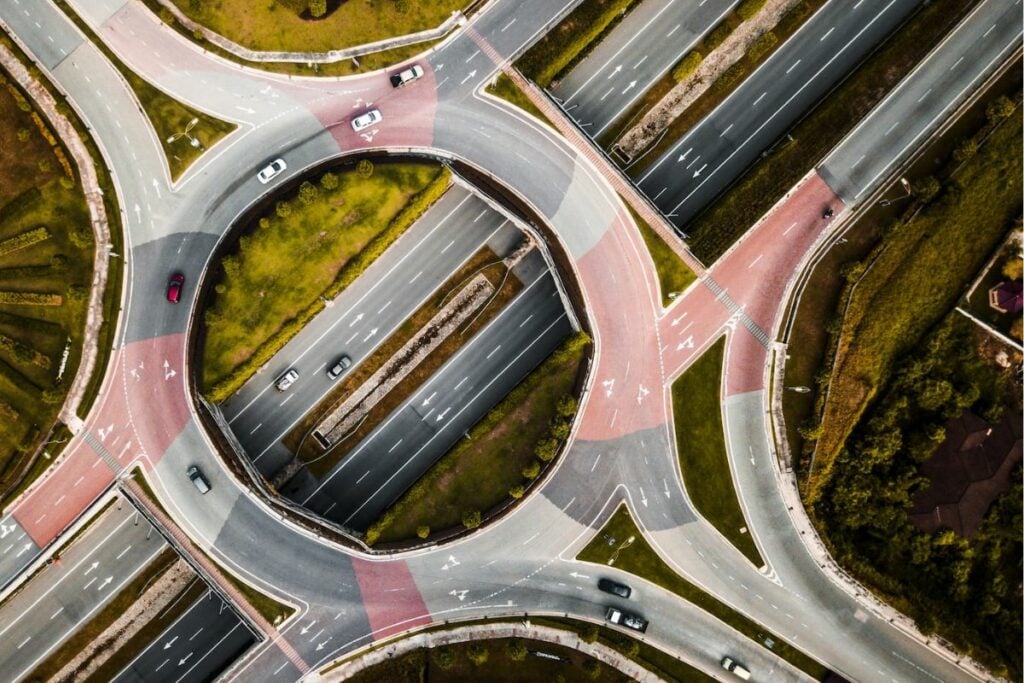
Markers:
{"x": 390, "y": 597}
{"x": 622, "y": 292}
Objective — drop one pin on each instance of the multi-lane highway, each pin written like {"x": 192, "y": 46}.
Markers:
{"x": 621, "y": 448}
{"x": 702, "y": 163}
{"x": 632, "y": 57}
{"x": 390, "y": 459}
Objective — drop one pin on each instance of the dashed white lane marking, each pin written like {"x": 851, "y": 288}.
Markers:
{"x": 795, "y": 64}
{"x": 827, "y": 34}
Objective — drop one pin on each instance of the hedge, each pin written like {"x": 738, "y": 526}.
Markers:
{"x": 355, "y": 267}
{"x": 31, "y": 299}
{"x": 686, "y": 66}
{"x": 24, "y": 239}
{"x": 24, "y": 352}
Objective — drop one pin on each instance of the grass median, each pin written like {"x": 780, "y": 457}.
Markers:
{"x": 569, "y": 42}
{"x": 727, "y": 218}
{"x": 169, "y": 117}
{"x": 485, "y": 262}
{"x": 674, "y": 276}
{"x": 700, "y": 443}
{"x": 335, "y": 229}
{"x": 639, "y": 558}
{"x": 505, "y": 88}
{"x": 483, "y": 470}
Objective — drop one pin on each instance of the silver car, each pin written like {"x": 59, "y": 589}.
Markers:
{"x": 364, "y": 121}
{"x": 286, "y": 380}
{"x": 343, "y": 364}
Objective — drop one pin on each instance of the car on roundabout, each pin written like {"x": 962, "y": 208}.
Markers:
{"x": 627, "y": 619}
{"x": 409, "y": 75}
{"x": 615, "y": 588}
{"x": 271, "y": 170}
{"x": 367, "y": 119}
{"x": 174, "y": 287}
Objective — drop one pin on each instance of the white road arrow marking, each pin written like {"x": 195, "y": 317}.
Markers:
{"x": 632, "y": 84}
{"x": 105, "y": 582}
{"x": 428, "y": 399}
{"x": 156, "y": 186}
{"x": 24, "y": 550}
{"x": 170, "y": 642}
{"x": 668, "y": 494}
{"x": 608, "y": 385}
{"x": 320, "y": 646}
{"x": 699, "y": 170}
{"x": 682, "y": 157}
{"x": 305, "y": 629}
{"x": 105, "y": 432}
{"x": 247, "y": 110}
{"x": 138, "y": 213}
{"x": 616, "y": 70}
{"x": 685, "y": 344}
{"x": 676, "y": 321}
{"x": 440, "y": 416}
{"x": 461, "y": 595}
{"x": 471, "y": 75}
{"x": 641, "y": 394}
{"x": 438, "y": 67}
{"x": 643, "y": 497}
{"x": 184, "y": 659}
{"x": 370, "y": 335}
{"x": 91, "y": 567}
{"x": 355, "y": 321}
{"x": 577, "y": 575}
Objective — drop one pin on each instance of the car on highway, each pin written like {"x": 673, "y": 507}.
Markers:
{"x": 614, "y": 587}
{"x": 174, "y": 287}
{"x": 343, "y": 364}
{"x": 737, "y": 669}
{"x": 271, "y": 171}
{"x": 407, "y": 76}
{"x": 627, "y": 619}
{"x": 286, "y": 380}
{"x": 367, "y": 119}
{"x": 196, "y": 475}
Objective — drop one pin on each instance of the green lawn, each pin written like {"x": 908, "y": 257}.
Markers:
{"x": 281, "y": 25}
{"x": 673, "y": 275}
{"x": 46, "y": 248}
{"x": 167, "y": 115}
{"x": 345, "y": 223}
{"x": 918, "y": 273}
{"x": 87, "y": 632}
{"x": 700, "y": 442}
{"x": 478, "y": 472}
{"x": 571, "y": 40}
{"x": 498, "y": 664}
{"x": 640, "y": 559}
{"x": 729, "y": 217}
{"x": 507, "y": 90}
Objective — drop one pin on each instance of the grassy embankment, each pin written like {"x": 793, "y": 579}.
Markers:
{"x": 640, "y": 558}
{"x": 567, "y": 43}
{"x": 335, "y": 229}
{"x": 674, "y": 276}
{"x": 46, "y": 260}
{"x": 271, "y": 610}
{"x": 504, "y": 660}
{"x": 503, "y": 453}
{"x": 485, "y": 263}
{"x": 167, "y": 115}
{"x": 700, "y": 443}
{"x": 757, "y": 53}
{"x": 731, "y": 214}
{"x": 506, "y": 89}
{"x": 107, "y": 615}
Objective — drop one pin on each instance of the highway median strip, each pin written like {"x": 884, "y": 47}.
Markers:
{"x": 639, "y": 558}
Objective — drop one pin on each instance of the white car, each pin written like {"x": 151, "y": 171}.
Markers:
{"x": 286, "y": 380}
{"x": 364, "y": 121}
{"x": 271, "y": 171}
{"x": 408, "y": 76}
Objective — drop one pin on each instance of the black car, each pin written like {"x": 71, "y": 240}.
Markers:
{"x": 614, "y": 587}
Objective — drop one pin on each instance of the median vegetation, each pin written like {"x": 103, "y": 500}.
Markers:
{"x": 700, "y": 444}
{"x": 639, "y": 558}
{"x": 170, "y": 118}
{"x": 335, "y": 229}
{"x": 499, "y": 458}
{"x": 674, "y": 276}
{"x": 566, "y": 44}
{"x": 729, "y": 217}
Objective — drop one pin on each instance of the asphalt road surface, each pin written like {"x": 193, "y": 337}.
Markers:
{"x": 66, "y": 594}
{"x": 630, "y": 59}
{"x": 17, "y": 549}
{"x": 399, "y": 451}
{"x": 198, "y": 646}
{"x": 691, "y": 173}
{"x": 360, "y": 318}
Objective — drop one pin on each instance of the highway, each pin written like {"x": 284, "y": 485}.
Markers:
{"x": 198, "y": 646}
{"x": 361, "y": 318}
{"x": 632, "y": 57}
{"x": 711, "y": 155}
{"x": 621, "y": 448}
{"x": 66, "y": 594}
{"x": 399, "y": 451}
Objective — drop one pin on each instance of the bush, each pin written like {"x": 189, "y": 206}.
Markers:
{"x": 445, "y": 658}
{"x": 24, "y": 239}
{"x": 78, "y": 293}
{"x": 686, "y": 66}
{"x": 59, "y": 262}
{"x": 748, "y": 9}
{"x": 31, "y": 299}
{"x": 477, "y": 653}
{"x": 80, "y": 236}
{"x": 308, "y": 193}
{"x": 517, "y": 650}
{"x": 423, "y": 531}
{"x": 532, "y": 470}
{"x": 23, "y": 134}
{"x": 546, "y": 450}
{"x": 471, "y": 519}
{"x": 1000, "y": 108}
{"x": 364, "y": 168}
{"x": 517, "y": 492}
{"x": 283, "y": 209}
{"x": 567, "y": 406}
{"x": 965, "y": 150}
{"x": 717, "y": 36}
{"x": 590, "y": 633}
{"x": 1013, "y": 269}
{"x": 317, "y": 8}
{"x": 762, "y": 45}
{"x": 592, "y": 668}
{"x": 329, "y": 181}
{"x": 560, "y": 429}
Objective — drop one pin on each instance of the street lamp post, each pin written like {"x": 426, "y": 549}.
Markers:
{"x": 622, "y": 546}
{"x": 187, "y": 133}
{"x": 905, "y": 184}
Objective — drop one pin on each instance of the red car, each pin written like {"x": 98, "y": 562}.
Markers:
{"x": 174, "y": 288}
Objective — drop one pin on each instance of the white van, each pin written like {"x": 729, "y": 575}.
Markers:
{"x": 740, "y": 671}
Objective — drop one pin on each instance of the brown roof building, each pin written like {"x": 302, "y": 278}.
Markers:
{"x": 968, "y": 471}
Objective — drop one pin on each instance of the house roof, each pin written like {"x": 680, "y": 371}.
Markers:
{"x": 1007, "y": 296}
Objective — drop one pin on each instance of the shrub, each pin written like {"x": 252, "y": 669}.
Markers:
{"x": 532, "y": 470}
{"x": 24, "y": 239}
{"x": 748, "y": 9}
{"x": 317, "y": 8}
{"x": 1013, "y": 269}
{"x": 329, "y": 181}
{"x": 926, "y": 189}
{"x": 567, "y": 406}
{"x": 31, "y": 299}
{"x": 80, "y": 236}
{"x": 66, "y": 182}
{"x": 78, "y": 293}
{"x": 283, "y": 209}
{"x": 560, "y": 429}
{"x": 762, "y": 45}
{"x": 471, "y": 519}
{"x": 516, "y": 650}
{"x": 477, "y": 653}
{"x": 965, "y": 150}
{"x": 445, "y": 658}
{"x": 546, "y": 450}
{"x": 364, "y": 168}
{"x": 717, "y": 36}
{"x": 44, "y": 165}
{"x": 308, "y": 193}
{"x": 53, "y": 396}
{"x": 590, "y": 633}
{"x": 592, "y": 668}
{"x": 23, "y": 134}
{"x": 998, "y": 109}
{"x": 517, "y": 491}
{"x": 423, "y": 531}
{"x": 686, "y": 66}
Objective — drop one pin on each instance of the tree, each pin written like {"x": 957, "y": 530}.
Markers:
{"x": 445, "y": 658}
{"x": 1013, "y": 269}
{"x": 78, "y": 293}
{"x": 471, "y": 519}
{"x": 364, "y": 168}
{"x": 590, "y": 633}
{"x": 23, "y": 134}
{"x": 283, "y": 209}
{"x": 477, "y": 653}
{"x": 317, "y": 8}
{"x": 546, "y": 450}
{"x": 517, "y": 650}
{"x": 517, "y": 491}
{"x": 926, "y": 188}
{"x": 532, "y": 470}
{"x": 566, "y": 406}
{"x": 329, "y": 181}
{"x": 308, "y": 192}
{"x": 1000, "y": 108}
{"x": 423, "y": 531}
{"x": 592, "y": 668}
{"x": 59, "y": 262}
{"x": 560, "y": 429}
{"x": 965, "y": 150}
